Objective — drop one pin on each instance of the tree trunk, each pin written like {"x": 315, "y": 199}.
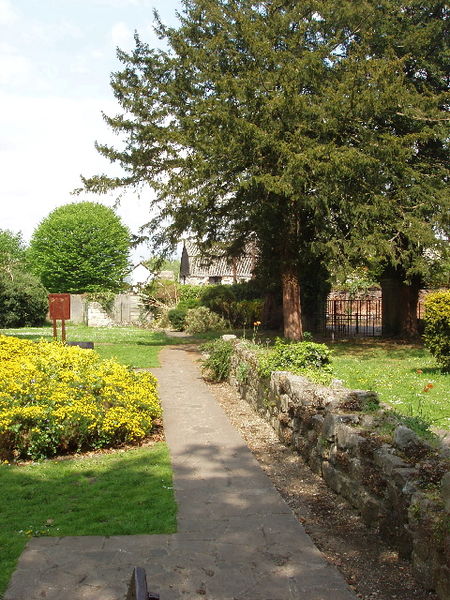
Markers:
{"x": 315, "y": 287}
{"x": 399, "y": 305}
{"x": 234, "y": 269}
{"x": 272, "y": 314}
{"x": 292, "y": 314}
{"x": 390, "y": 297}
{"x": 409, "y": 299}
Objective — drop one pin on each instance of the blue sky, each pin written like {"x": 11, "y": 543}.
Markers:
{"x": 56, "y": 57}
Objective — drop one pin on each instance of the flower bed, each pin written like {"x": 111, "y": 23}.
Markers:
{"x": 56, "y": 399}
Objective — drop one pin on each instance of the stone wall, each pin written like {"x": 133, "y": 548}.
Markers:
{"x": 399, "y": 484}
{"x": 126, "y": 310}
{"x": 78, "y": 309}
{"x": 97, "y": 316}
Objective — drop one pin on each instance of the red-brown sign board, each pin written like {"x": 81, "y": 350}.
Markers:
{"x": 59, "y": 306}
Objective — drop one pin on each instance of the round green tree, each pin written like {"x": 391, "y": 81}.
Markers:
{"x": 80, "y": 247}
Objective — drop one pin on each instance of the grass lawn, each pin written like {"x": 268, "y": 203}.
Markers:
{"x": 405, "y": 377}
{"x": 120, "y": 493}
{"x": 131, "y": 346}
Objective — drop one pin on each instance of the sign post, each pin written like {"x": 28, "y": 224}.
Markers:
{"x": 59, "y": 308}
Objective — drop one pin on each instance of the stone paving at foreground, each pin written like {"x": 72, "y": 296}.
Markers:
{"x": 237, "y": 539}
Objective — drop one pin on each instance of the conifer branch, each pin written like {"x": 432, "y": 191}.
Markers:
{"x": 416, "y": 118}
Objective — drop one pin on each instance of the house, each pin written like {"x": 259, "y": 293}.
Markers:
{"x": 198, "y": 269}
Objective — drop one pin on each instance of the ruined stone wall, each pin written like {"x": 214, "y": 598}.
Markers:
{"x": 399, "y": 484}
{"x": 97, "y": 316}
{"x": 126, "y": 310}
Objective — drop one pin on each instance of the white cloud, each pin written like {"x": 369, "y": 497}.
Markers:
{"x": 46, "y": 144}
{"x": 82, "y": 63}
{"x": 13, "y": 66}
{"x": 122, "y": 36}
{"x": 97, "y": 53}
{"x": 53, "y": 86}
{"x": 121, "y": 3}
{"x": 50, "y": 34}
{"x": 53, "y": 144}
{"x": 7, "y": 13}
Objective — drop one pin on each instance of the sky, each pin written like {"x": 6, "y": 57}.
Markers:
{"x": 56, "y": 57}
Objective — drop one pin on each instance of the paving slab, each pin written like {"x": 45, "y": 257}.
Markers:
{"x": 237, "y": 539}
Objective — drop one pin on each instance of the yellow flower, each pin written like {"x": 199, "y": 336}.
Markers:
{"x": 55, "y": 398}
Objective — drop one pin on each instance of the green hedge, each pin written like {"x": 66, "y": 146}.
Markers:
{"x": 301, "y": 358}
{"x": 177, "y": 318}
{"x": 23, "y": 300}
{"x": 235, "y": 303}
{"x": 437, "y": 327}
{"x": 189, "y": 294}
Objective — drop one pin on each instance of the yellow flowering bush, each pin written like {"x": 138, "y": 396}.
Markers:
{"x": 56, "y": 399}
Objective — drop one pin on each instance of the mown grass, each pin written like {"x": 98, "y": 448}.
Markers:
{"x": 131, "y": 346}
{"x": 119, "y": 493}
{"x": 405, "y": 376}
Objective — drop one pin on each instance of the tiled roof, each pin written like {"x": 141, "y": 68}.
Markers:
{"x": 217, "y": 266}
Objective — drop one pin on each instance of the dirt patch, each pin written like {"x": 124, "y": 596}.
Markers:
{"x": 372, "y": 569}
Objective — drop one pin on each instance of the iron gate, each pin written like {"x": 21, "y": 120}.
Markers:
{"x": 353, "y": 317}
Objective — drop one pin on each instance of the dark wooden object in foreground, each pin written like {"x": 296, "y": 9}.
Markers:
{"x": 86, "y": 345}
{"x": 137, "y": 590}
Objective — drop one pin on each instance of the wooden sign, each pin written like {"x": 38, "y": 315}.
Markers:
{"x": 59, "y": 306}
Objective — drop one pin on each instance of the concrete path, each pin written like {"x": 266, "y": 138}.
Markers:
{"x": 237, "y": 539}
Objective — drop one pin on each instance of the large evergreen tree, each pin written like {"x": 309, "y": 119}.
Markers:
{"x": 411, "y": 207}
{"x": 277, "y": 121}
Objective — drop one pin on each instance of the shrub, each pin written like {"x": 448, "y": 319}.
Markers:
{"x": 162, "y": 320}
{"x": 191, "y": 293}
{"x": 437, "y": 327}
{"x": 229, "y": 302}
{"x": 23, "y": 301}
{"x": 247, "y": 290}
{"x": 215, "y": 297}
{"x": 177, "y": 318}
{"x": 301, "y": 358}
{"x": 245, "y": 312}
{"x": 56, "y": 399}
{"x": 201, "y": 319}
{"x": 217, "y": 365}
{"x": 188, "y": 303}
{"x": 158, "y": 295}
